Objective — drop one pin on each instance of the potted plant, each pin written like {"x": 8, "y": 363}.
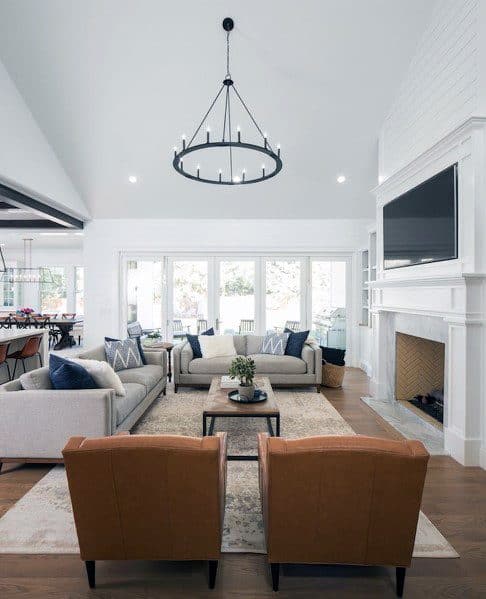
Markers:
{"x": 243, "y": 369}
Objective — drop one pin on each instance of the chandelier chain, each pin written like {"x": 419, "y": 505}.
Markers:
{"x": 228, "y": 74}
{"x": 250, "y": 115}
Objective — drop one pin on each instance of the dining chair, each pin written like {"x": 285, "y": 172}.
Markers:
{"x": 292, "y": 325}
{"x": 21, "y": 322}
{"x": 134, "y": 329}
{"x": 3, "y": 357}
{"x": 246, "y": 327}
{"x": 178, "y": 331}
{"x": 202, "y": 325}
{"x": 29, "y": 350}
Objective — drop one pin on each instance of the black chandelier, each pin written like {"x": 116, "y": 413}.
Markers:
{"x": 237, "y": 176}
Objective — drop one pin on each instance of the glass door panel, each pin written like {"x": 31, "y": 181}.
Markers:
{"x": 282, "y": 294}
{"x": 328, "y": 299}
{"x": 189, "y": 290}
{"x": 144, "y": 293}
{"x": 236, "y": 297}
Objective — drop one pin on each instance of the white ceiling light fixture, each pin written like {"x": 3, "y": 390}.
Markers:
{"x": 26, "y": 273}
{"x": 341, "y": 179}
{"x": 132, "y": 179}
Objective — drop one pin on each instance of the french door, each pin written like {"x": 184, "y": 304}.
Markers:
{"x": 239, "y": 295}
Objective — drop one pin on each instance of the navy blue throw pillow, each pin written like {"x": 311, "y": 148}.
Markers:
{"x": 333, "y": 355}
{"x": 139, "y": 345}
{"x": 68, "y": 375}
{"x": 194, "y": 342}
{"x": 295, "y": 343}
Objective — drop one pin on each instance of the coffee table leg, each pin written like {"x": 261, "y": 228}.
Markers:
{"x": 211, "y": 426}
{"x": 270, "y": 427}
{"x": 278, "y": 425}
{"x": 204, "y": 425}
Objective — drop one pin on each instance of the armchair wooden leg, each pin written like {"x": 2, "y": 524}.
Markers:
{"x": 400, "y": 575}
{"x": 275, "y": 575}
{"x": 213, "y": 568}
{"x": 90, "y": 571}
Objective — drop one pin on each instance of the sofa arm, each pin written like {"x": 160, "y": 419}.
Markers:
{"x": 37, "y": 424}
{"x": 182, "y": 353}
{"x": 157, "y": 357}
{"x": 312, "y": 355}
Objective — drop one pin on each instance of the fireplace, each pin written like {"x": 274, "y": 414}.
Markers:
{"x": 419, "y": 374}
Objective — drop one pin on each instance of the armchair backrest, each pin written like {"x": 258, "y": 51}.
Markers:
{"x": 147, "y": 496}
{"x": 346, "y": 500}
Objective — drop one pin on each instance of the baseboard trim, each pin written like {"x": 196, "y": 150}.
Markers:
{"x": 465, "y": 451}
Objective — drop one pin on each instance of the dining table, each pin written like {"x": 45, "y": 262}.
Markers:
{"x": 65, "y": 326}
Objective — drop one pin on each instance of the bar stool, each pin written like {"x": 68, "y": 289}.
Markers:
{"x": 3, "y": 357}
{"x": 30, "y": 349}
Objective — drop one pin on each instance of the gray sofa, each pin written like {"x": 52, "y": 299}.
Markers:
{"x": 284, "y": 371}
{"x": 35, "y": 424}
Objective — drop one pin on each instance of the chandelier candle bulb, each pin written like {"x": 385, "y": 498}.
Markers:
{"x": 278, "y": 150}
{"x": 238, "y": 130}
{"x": 183, "y": 142}
{"x": 243, "y": 174}
{"x": 263, "y": 170}
{"x": 219, "y": 174}
{"x": 198, "y": 169}
{"x": 208, "y": 131}
{"x": 175, "y": 151}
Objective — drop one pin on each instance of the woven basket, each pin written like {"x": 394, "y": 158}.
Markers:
{"x": 332, "y": 375}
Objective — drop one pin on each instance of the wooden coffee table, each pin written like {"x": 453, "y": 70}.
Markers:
{"x": 218, "y": 405}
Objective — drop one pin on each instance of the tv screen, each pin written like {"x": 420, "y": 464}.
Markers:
{"x": 420, "y": 226}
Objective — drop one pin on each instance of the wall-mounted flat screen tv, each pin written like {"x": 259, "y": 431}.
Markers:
{"x": 420, "y": 226}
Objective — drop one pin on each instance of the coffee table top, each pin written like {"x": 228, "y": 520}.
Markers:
{"x": 217, "y": 402}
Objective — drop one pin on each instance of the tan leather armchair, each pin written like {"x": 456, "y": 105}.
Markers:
{"x": 148, "y": 497}
{"x": 341, "y": 500}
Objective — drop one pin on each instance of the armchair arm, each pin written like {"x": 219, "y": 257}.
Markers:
{"x": 37, "y": 424}
{"x": 223, "y": 443}
{"x": 263, "y": 475}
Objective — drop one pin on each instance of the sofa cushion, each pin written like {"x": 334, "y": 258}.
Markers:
{"x": 295, "y": 343}
{"x": 210, "y": 365}
{"x": 194, "y": 342}
{"x": 148, "y": 376}
{"x": 68, "y": 375}
{"x": 36, "y": 380}
{"x": 274, "y": 344}
{"x": 102, "y": 373}
{"x": 240, "y": 344}
{"x": 270, "y": 364}
{"x": 134, "y": 394}
{"x": 123, "y": 354}
{"x": 253, "y": 344}
{"x": 219, "y": 346}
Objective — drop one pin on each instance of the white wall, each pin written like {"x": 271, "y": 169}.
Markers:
{"x": 106, "y": 239}
{"x": 443, "y": 87}
{"x": 27, "y": 161}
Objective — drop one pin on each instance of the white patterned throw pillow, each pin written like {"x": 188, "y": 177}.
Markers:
{"x": 103, "y": 374}
{"x": 122, "y": 354}
{"x": 275, "y": 344}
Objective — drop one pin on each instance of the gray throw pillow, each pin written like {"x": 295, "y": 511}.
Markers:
{"x": 274, "y": 343}
{"x": 122, "y": 354}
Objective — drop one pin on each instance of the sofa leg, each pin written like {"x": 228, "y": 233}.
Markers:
{"x": 318, "y": 388}
{"x": 213, "y": 568}
{"x": 90, "y": 571}
{"x": 175, "y": 387}
{"x": 400, "y": 575}
{"x": 164, "y": 391}
{"x": 275, "y": 568}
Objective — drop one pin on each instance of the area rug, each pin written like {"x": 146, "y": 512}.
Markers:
{"x": 42, "y": 522}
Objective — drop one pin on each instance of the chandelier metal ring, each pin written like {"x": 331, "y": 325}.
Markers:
{"x": 178, "y": 162}
{"x": 228, "y": 139}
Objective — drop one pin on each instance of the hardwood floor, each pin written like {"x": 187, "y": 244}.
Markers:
{"x": 454, "y": 499}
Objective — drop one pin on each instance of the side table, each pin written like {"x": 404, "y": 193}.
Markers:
{"x": 168, "y": 347}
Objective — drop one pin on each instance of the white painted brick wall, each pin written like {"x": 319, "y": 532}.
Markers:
{"x": 440, "y": 89}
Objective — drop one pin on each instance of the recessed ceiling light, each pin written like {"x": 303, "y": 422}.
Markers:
{"x": 132, "y": 179}
{"x": 341, "y": 179}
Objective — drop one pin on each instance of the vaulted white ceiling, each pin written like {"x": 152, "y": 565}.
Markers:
{"x": 114, "y": 83}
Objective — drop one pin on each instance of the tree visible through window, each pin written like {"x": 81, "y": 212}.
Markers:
{"x": 53, "y": 296}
